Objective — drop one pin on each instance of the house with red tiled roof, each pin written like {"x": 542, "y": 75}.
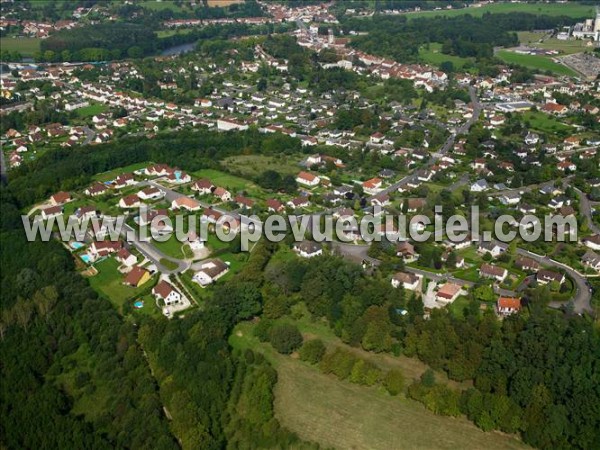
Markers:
{"x": 506, "y": 306}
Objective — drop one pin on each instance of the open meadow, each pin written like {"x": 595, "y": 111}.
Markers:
{"x": 570, "y": 9}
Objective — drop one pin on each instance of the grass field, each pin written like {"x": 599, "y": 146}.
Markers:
{"x": 112, "y": 174}
{"x": 565, "y": 47}
{"x": 171, "y": 247}
{"x": 159, "y": 5}
{"x": 544, "y": 122}
{"x": 109, "y": 282}
{"x": 26, "y": 46}
{"x": 91, "y": 110}
{"x": 570, "y": 9}
{"x": 543, "y": 63}
{"x": 434, "y": 56}
{"x": 253, "y": 165}
{"x": 342, "y": 415}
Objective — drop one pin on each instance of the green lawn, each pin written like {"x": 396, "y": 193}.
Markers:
{"x": 543, "y": 63}
{"x": 338, "y": 414}
{"x": 109, "y": 283}
{"x": 112, "y": 174}
{"x": 230, "y": 182}
{"x": 253, "y": 165}
{"x": 457, "y": 306}
{"x": 27, "y": 46}
{"x": 566, "y": 47}
{"x": 434, "y": 56}
{"x": 159, "y": 5}
{"x": 169, "y": 33}
{"x": 570, "y": 9}
{"x": 91, "y": 110}
{"x": 171, "y": 247}
{"x": 470, "y": 274}
{"x": 544, "y": 122}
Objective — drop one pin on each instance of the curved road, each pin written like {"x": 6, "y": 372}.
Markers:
{"x": 581, "y": 300}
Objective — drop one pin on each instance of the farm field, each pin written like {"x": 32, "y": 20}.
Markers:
{"x": 551, "y": 9}
{"x": 254, "y": 165}
{"x": 342, "y": 415}
{"x": 26, "y": 46}
{"x": 535, "y": 62}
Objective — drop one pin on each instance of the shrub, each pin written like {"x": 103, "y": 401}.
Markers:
{"x": 312, "y": 351}
{"x": 285, "y": 338}
{"x": 394, "y": 382}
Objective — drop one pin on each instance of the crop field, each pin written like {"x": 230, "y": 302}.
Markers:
{"x": 543, "y": 63}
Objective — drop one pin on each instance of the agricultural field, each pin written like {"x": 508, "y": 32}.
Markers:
{"x": 221, "y": 3}
{"x": 570, "y": 9}
{"x": 253, "y": 165}
{"x": 25, "y": 45}
{"x": 543, "y": 63}
{"x": 433, "y": 55}
{"x": 323, "y": 409}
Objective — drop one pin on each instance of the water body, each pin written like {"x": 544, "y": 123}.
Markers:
{"x": 179, "y": 49}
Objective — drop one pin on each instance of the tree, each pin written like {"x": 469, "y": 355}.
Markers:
{"x": 135, "y": 52}
{"x": 394, "y": 381}
{"x": 312, "y": 351}
{"x": 447, "y": 66}
{"x": 285, "y": 338}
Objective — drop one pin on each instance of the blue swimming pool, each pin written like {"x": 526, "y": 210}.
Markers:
{"x": 139, "y": 304}
{"x": 86, "y": 258}
{"x": 76, "y": 245}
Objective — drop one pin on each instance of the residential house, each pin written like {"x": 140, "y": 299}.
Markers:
{"x": 307, "y": 179}
{"x": 308, "y": 249}
{"x": 274, "y": 205}
{"x": 448, "y": 293}
{"x": 223, "y": 194}
{"x": 151, "y": 193}
{"x": 372, "y": 186}
{"x": 60, "y": 198}
{"x": 125, "y": 257}
{"x": 130, "y": 201}
{"x": 203, "y": 186}
{"x": 527, "y": 264}
{"x": 186, "y": 203}
{"x": 495, "y": 272}
{"x": 299, "y": 202}
{"x": 137, "y": 276}
{"x": 406, "y": 251}
{"x": 493, "y": 248}
{"x": 592, "y": 242}
{"x": 547, "y": 276}
{"x": 505, "y": 306}
{"x": 96, "y": 189}
{"x": 166, "y": 292}
{"x": 479, "y": 186}
{"x": 52, "y": 211}
{"x": 210, "y": 271}
{"x": 99, "y": 249}
{"x": 409, "y": 281}
{"x": 124, "y": 180}
{"x": 510, "y": 198}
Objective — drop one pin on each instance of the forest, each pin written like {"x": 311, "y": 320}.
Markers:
{"x": 78, "y": 375}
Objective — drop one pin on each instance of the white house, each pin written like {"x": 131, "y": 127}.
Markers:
{"x": 308, "y": 249}
{"x": 409, "y": 281}
{"x": 307, "y": 179}
{"x": 166, "y": 292}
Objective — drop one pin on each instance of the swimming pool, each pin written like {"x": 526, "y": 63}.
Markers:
{"x": 139, "y": 304}
{"x": 76, "y": 245}
{"x": 86, "y": 258}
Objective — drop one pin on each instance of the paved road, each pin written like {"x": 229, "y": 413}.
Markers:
{"x": 585, "y": 209}
{"x": 581, "y": 300}
{"x": 89, "y": 135}
{"x": 583, "y": 296}
{"x": 477, "y": 108}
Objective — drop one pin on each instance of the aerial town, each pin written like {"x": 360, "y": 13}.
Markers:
{"x": 133, "y": 115}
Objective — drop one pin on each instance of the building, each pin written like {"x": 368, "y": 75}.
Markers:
{"x": 186, "y": 203}
{"x": 448, "y": 293}
{"x": 548, "y": 276}
{"x": 307, "y": 179}
{"x": 490, "y": 271}
{"x": 506, "y": 306}
{"x": 136, "y": 277}
{"x": 60, "y": 198}
{"x": 591, "y": 259}
{"x": 203, "y": 186}
{"x": 52, "y": 211}
{"x": 409, "y": 281}
{"x": 308, "y": 249}
{"x": 166, "y": 292}
{"x": 527, "y": 264}
{"x": 125, "y": 257}
{"x": 129, "y": 201}
{"x": 210, "y": 271}
{"x": 151, "y": 193}
{"x": 406, "y": 251}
